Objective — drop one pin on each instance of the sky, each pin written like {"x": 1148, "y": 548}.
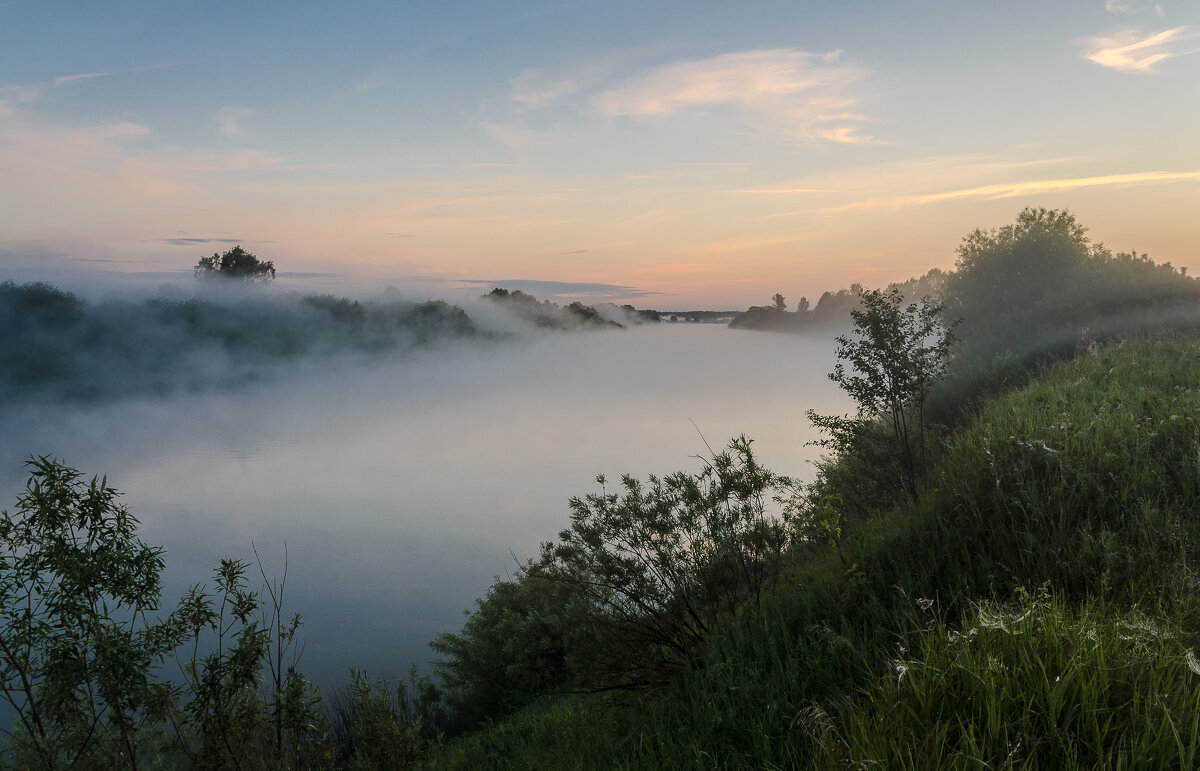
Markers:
{"x": 674, "y": 155}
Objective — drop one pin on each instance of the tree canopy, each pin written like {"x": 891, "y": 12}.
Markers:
{"x": 897, "y": 353}
{"x": 235, "y": 264}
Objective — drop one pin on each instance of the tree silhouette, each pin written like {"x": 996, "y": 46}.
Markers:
{"x": 237, "y": 263}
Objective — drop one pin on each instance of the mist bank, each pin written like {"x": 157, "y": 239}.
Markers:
{"x": 402, "y": 486}
{"x": 59, "y": 345}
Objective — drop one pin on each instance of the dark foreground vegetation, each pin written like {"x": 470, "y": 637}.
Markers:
{"x": 994, "y": 568}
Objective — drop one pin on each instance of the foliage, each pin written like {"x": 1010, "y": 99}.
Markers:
{"x": 832, "y": 311}
{"x": 77, "y": 642}
{"x": 629, "y": 594}
{"x": 235, "y": 264}
{"x": 80, "y": 644}
{"x": 655, "y": 566}
{"x": 228, "y": 716}
{"x": 377, "y": 726}
{"x": 1040, "y": 290}
{"x": 896, "y": 355}
{"x": 526, "y": 637}
{"x": 640, "y": 316}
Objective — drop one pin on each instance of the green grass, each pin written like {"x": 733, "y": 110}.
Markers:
{"x": 1036, "y": 609}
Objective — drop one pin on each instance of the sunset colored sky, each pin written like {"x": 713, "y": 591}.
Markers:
{"x": 670, "y": 154}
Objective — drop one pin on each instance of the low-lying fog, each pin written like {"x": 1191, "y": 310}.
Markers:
{"x": 400, "y": 490}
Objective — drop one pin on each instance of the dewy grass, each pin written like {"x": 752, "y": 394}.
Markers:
{"x": 1034, "y": 683}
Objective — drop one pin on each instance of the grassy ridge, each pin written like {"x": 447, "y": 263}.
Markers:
{"x": 1036, "y": 609}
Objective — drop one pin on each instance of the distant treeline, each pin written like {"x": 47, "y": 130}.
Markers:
{"x": 1041, "y": 288}
{"x": 832, "y": 311}
{"x": 58, "y": 345}
{"x": 697, "y": 317}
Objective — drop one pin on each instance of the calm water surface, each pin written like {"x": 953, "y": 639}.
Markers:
{"x": 402, "y": 489}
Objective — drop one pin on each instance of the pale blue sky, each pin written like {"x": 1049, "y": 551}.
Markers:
{"x": 713, "y": 152}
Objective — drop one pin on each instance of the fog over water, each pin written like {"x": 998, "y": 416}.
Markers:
{"x": 401, "y": 489}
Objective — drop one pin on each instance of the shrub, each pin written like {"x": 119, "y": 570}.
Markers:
{"x": 651, "y": 569}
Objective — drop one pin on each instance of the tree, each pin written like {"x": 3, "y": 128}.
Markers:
{"x": 802, "y": 306}
{"x": 237, "y": 263}
{"x": 1020, "y": 290}
{"x": 76, "y": 640}
{"x": 80, "y": 639}
{"x": 1040, "y": 290}
{"x": 897, "y": 353}
{"x": 779, "y": 302}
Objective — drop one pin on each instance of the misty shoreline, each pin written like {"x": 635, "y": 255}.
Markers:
{"x": 61, "y": 347}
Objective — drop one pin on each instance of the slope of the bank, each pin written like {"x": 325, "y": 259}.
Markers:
{"x": 1036, "y": 609}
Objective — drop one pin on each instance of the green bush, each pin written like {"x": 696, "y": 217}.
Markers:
{"x": 82, "y": 641}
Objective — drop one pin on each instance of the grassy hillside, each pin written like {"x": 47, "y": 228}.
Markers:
{"x": 1036, "y": 609}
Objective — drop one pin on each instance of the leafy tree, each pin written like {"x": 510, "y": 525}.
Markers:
{"x": 802, "y": 306}
{"x": 80, "y": 640}
{"x": 77, "y": 643}
{"x": 1040, "y": 290}
{"x": 779, "y": 302}
{"x": 1018, "y": 266}
{"x": 896, "y": 355}
{"x": 236, "y": 264}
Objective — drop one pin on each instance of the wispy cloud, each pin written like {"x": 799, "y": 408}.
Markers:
{"x": 1130, "y": 7}
{"x": 1132, "y": 50}
{"x": 515, "y": 136}
{"x": 787, "y": 90}
{"x": 119, "y": 130}
{"x": 197, "y": 241}
{"x": 536, "y": 88}
{"x": 560, "y": 290}
{"x": 231, "y": 121}
{"x": 1023, "y": 188}
{"x": 31, "y": 92}
{"x": 10, "y": 95}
